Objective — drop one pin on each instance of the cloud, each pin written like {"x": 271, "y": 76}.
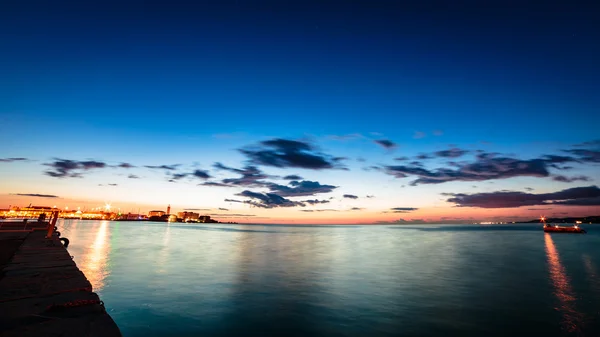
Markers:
{"x": 216, "y": 184}
{"x": 564, "y": 179}
{"x": 113, "y": 184}
{"x": 591, "y": 143}
{"x": 62, "y": 168}
{"x": 370, "y": 196}
{"x": 488, "y": 166}
{"x": 319, "y": 210}
{"x": 403, "y": 209}
{"x": 300, "y": 188}
{"x": 36, "y": 195}
{"x": 419, "y": 135}
{"x": 197, "y": 209}
{"x": 586, "y": 155}
{"x": 351, "y": 136}
{"x": 233, "y": 200}
{"x": 424, "y": 156}
{"x": 285, "y": 153}
{"x": 177, "y": 176}
{"x": 315, "y": 202}
{"x": 356, "y": 209}
{"x": 251, "y": 176}
{"x": 125, "y": 165}
{"x": 528, "y": 189}
{"x": 223, "y": 209}
{"x": 386, "y": 143}
{"x": 10, "y": 160}
{"x": 267, "y": 200}
{"x": 451, "y": 153}
{"x": 133, "y": 176}
{"x": 539, "y": 209}
{"x": 350, "y": 196}
{"x": 577, "y": 196}
{"x": 292, "y": 177}
{"x": 162, "y": 167}
{"x": 201, "y": 174}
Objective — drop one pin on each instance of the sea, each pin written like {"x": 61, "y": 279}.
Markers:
{"x": 161, "y": 279}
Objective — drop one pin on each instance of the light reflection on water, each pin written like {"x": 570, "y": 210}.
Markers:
{"x": 572, "y": 319}
{"x": 162, "y": 279}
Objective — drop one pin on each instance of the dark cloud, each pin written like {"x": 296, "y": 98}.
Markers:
{"x": 370, "y": 196}
{"x": 591, "y": 143}
{"x": 586, "y": 155}
{"x": 113, "y": 184}
{"x": 289, "y": 153}
{"x": 177, "y": 176}
{"x": 216, "y": 184}
{"x": 201, "y": 174}
{"x": 293, "y": 177}
{"x": 528, "y": 189}
{"x": 488, "y": 166}
{"x": 423, "y": 156}
{"x": 162, "y": 167}
{"x": 125, "y": 165}
{"x": 401, "y": 158}
{"x": 570, "y": 179}
{"x": 401, "y": 210}
{"x": 36, "y": 195}
{"x": 350, "y": 196}
{"x": 223, "y": 209}
{"x": 300, "y": 188}
{"x": 385, "y": 143}
{"x": 133, "y": 176}
{"x": 451, "y": 153}
{"x": 581, "y": 196}
{"x": 251, "y": 176}
{"x": 233, "y": 200}
{"x": 268, "y": 200}
{"x": 315, "y": 202}
{"x": 10, "y": 160}
{"x": 361, "y": 160}
{"x": 62, "y": 168}
{"x": 356, "y": 209}
{"x": 539, "y": 209}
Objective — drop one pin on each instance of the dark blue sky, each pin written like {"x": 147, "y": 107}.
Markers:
{"x": 138, "y": 76}
{"x": 305, "y": 64}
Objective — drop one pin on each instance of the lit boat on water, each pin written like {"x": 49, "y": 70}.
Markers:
{"x": 562, "y": 229}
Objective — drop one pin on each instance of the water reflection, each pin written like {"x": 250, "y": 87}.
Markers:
{"x": 94, "y": 261}
{"x": 562, "y": 289}
{"x": 592, "y": 274}
{"x": 164, "y": 251}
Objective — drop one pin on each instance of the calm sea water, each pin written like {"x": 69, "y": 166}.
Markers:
{"x": 158, "y": 279}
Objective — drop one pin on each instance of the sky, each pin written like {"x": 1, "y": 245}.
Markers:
{"x": 303, "y": 111}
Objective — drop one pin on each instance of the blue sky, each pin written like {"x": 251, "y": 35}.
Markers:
{"x": 191, "y": 84}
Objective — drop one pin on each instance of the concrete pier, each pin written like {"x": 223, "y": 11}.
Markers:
{"x": 42, "y": 292}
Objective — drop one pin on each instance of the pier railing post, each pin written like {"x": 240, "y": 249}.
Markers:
{"x": 51, "y": 224}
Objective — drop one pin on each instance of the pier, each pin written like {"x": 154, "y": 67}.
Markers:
{"x": 42, "y": 292}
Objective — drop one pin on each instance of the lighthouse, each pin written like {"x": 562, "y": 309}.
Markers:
{"x": 169, "y": 209}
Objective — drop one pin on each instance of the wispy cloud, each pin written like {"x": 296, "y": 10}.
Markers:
{"x": 133, "y": 176}
{"x": 419, "y": 135}
{"x": 292, "y": 177}
{"x": 401, "y": 210}
{"x": 577, "y": 196}
{"x": 36, "y": 195}
{"x": 487, "y": 166}
{"x": 266, "y": 200}
{"x": 125, "y": 165}
{"x": 350, "y": 196}
{"x": 300, "y": 188}
{"x": 162, "y": 167}
{"x": 10, "y": 160}
{"x": 385, "y": 143}
{"x": 565, "y": 179}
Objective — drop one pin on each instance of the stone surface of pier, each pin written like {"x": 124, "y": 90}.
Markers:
{"x": 42, "y": 292}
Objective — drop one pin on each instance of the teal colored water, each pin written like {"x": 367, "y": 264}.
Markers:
{"x": 160, "y": 279}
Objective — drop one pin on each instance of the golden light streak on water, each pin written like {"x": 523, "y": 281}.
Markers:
{"x": 94, "y": 261}
{"x": 563, "y": 292}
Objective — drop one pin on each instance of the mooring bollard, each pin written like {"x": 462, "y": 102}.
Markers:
{"x": 51, "y": 224}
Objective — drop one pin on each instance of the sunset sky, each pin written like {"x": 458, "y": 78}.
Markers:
{"x": 302, "y": 111}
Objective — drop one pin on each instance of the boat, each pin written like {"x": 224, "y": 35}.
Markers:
{"x": 562, "y": 229}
